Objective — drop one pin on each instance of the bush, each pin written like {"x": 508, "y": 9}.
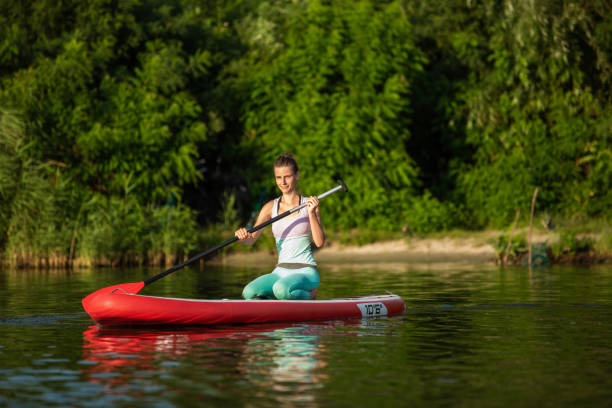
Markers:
{"x": 604, "y": 243}
{"x": 518, "y": 246}
{"x": 365, "y": 236}
{"x": 570, "y": 244}
{"x": 113, "y": 231}
{"x": 172, "y": 232}
{"x": 427, "y": 214}
{"x": 121, "y": 231}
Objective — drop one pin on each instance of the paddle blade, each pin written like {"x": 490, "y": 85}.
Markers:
{"x": 90, "y": 304}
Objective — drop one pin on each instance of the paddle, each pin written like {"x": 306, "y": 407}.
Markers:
{"x": 135, "y": 287}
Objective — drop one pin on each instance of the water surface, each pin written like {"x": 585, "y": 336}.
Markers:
{"x": 471, "y": 336}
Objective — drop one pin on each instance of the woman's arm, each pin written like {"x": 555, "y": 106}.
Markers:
{"x": 247, "y": 238}
{"x": 314, "y": 216}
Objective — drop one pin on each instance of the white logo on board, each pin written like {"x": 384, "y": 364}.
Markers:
{"x": 372, "y": 309}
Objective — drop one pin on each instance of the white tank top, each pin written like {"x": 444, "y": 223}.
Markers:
{"x": 293, "y": 236}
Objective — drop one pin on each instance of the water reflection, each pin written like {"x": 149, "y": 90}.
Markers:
{"x": 281, "y": 361}
{"x": 285, "y": 363}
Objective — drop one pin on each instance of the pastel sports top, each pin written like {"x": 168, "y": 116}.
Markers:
{"x": 293, "y": 236}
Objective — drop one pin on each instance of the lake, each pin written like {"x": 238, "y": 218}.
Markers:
{"x": 472, "y": 336}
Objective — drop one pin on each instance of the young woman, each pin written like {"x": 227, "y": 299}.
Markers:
{"x": 295, "y": 275}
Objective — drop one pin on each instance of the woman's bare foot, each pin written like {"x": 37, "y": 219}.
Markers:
{"x": 313, "y": 294}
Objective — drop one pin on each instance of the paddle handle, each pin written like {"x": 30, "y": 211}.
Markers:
{"x": 214, "y": 249}
{"x": 299, "y": 207}
{"x": 190, "y": 260}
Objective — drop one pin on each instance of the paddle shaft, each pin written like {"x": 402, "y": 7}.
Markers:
{"x": 214, "y": 249}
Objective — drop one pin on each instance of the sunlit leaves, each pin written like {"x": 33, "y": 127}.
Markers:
{"x": 475, "y": 102}
{"x": 337, "y": 96}
{"x": 534, "y": 111}
{"x": 150, "y": 127}
{"x": 106, "y": 99}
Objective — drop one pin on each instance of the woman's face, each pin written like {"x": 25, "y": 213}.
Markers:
{"x": 286, "y": 179}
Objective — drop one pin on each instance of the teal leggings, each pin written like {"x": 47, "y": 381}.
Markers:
{"x": 284, "y": 283}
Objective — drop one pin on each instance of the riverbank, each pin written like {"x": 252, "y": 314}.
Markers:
{"x": 487, "y": 247}
{"x": 413, "y": 250}
{"x": 567, "y": 245}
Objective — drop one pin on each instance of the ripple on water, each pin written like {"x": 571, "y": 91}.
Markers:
{"x": 478, "y": 338}
{"x": 43, "y": 320}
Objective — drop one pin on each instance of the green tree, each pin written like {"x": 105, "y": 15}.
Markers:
{"x": 335, "y": 91}
{"x": 538, "y": 112}
{"x": 104, "y": 91}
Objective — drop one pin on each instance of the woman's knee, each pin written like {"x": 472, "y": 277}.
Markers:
{"x": 261, "y": 286}
{"x": 248, "y": 292}
{"x": 281, "y": 290}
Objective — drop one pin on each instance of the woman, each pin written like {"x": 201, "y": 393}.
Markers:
{"x": 295, "y": 276}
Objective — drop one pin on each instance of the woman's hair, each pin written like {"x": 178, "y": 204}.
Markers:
{"x": 286, "y": 159}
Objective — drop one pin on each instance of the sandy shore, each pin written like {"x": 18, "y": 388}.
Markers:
{"x": 413, "y": 251}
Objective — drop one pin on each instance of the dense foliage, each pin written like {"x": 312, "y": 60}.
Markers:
{"x": 125, "y": 124}
{"x": 539, "y": 113}
{"x": 337, "y": 94}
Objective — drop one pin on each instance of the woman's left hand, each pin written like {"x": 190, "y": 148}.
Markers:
{"x": 312, "y": 204}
